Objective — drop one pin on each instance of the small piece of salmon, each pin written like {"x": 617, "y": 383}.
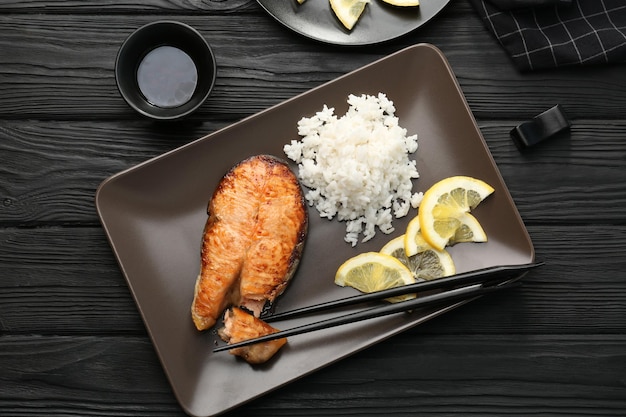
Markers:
{"x": 252, "y": 241}
{"x": 239, "y": 326}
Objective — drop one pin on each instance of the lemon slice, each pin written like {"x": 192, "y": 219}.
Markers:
{"x": 414, "y": 242}
{"x": 348, "y": 11}
{"x": 403, "y": 3}
{"x": 444, "y": 211}
{"x": 374, "y": 271}
{"x": 426, "y": 264}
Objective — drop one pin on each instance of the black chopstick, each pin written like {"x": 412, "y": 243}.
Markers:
{"x": 463, "y": 293}
{"x": 465, "y": 278}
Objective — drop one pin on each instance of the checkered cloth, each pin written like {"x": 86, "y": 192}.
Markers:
{"x": 540, "y": 34}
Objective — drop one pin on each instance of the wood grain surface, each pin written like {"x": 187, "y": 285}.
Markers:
{"x": 71, "y": 339}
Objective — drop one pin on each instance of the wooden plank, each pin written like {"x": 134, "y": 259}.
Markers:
{"x": 83, "y": 375}
{"x": 63, "y": 280}
{"x": 584, "y": 173}
{"x": 125, "y": 7}
{"x": 432, "y": 375}
{"x": 52, "y": 169}
{"x": 40, "y": 84}
{"x": 61, "y": 65}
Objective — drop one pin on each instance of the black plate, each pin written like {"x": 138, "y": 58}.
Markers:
{"x": 379, "y": 23}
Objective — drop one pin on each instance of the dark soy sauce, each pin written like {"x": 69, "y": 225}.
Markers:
{"x": 167, "y": 77}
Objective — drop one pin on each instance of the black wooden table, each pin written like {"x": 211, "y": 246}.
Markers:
{"x": 71, "y": 339}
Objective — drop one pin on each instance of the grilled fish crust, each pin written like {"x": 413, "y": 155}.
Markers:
{"x": 252, "y": 241}
{"x": 240, "y": 326}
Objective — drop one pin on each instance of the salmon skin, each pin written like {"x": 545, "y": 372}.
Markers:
{"x": 239, "y": 326}
{"x": 253, "y": 239}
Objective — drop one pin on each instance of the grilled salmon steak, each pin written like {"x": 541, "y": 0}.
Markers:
{"x": 252, "y": 241}
{"x": 239, "y": 326}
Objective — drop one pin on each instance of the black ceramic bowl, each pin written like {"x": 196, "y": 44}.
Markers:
{"x": 165, "y": 70}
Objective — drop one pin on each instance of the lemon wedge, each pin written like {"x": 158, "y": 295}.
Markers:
{"x": 348, "y": 11}
{"x": 444, "y": 211}
{"x": 403, "y": 3}
{"x": 375, "y": 271}
{"x": 468, "y": 230}
{"x": 425, "y": 264}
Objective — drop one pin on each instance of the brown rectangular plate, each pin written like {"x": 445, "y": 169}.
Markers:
{"x": 154, "y": 215}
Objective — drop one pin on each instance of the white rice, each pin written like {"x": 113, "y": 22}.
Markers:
{"x": 357, "y": 166}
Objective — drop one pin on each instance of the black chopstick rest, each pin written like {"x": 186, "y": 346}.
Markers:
{"x": 540, "y": 128}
